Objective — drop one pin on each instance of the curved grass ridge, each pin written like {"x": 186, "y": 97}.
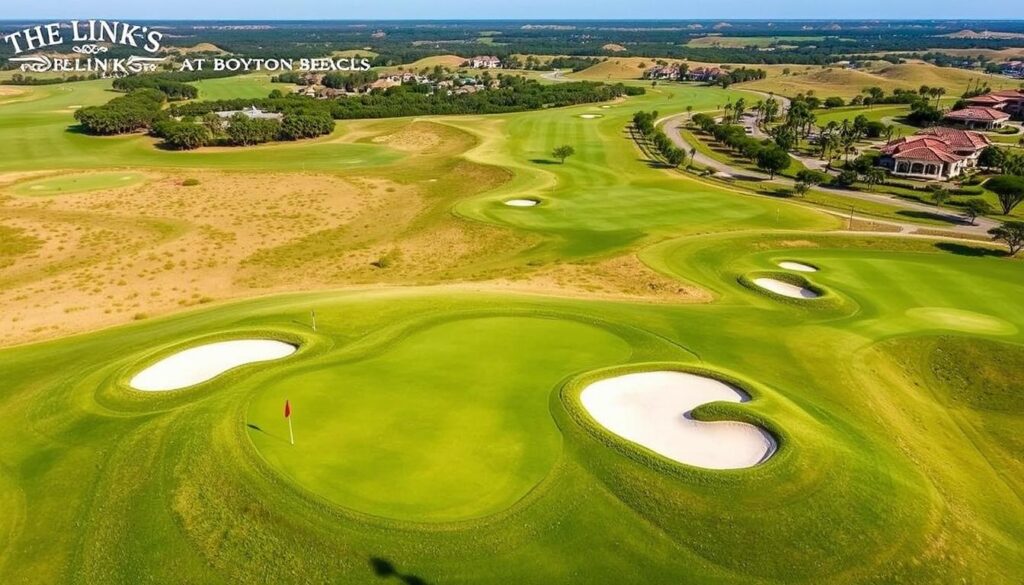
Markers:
{"x": 569, "y": 401}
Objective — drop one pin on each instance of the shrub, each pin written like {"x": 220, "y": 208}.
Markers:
{"x": 190, "y": 182}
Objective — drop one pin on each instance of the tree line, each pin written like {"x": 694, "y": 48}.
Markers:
{"x": 644, "y": 124}
{"x": 515, "y": 94}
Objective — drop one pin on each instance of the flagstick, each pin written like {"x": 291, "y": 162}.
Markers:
{"x": 291, "y": 435}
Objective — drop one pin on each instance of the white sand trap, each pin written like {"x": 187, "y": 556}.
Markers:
{"x": 605, "y": 107}
{"x": 590, "y": 116}
{"x": 785, "y": 289}
{"x": 205, "y": 362}
{"x": 652, "y": 409}
{"x": 797, "y": 266}
{"x": 522, "y": 202}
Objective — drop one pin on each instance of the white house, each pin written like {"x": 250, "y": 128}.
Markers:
{"x": 485, "y": 62}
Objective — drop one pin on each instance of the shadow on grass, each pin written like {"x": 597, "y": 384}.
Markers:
{"x": 932, "y": 216}
{"x": 544, "y": 161}
{"x": 975, "y": 251}
{"x": 385, "y": 569}
{"x": 259, "y": 429}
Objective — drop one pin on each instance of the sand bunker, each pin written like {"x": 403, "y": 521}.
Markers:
{"x": 522, "y": 202}
{"x": 797, "y": 266}
{"x": 590, "y": 116}
{"x": 652, "y": 409}
{"x": 786, "y": 289}
{"x": 205, "y": 362}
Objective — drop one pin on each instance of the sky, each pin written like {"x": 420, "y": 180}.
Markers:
{"x": 514, "y": 9}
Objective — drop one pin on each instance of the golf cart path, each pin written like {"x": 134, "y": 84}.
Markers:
{"x": 671, "y": 125}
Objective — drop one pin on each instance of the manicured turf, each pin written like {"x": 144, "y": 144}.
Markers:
{"x": 438, "y": 429}
{"x": 78, "y": 183}
{"x": 418, "y": 408}
{"x": 39, "y": 133}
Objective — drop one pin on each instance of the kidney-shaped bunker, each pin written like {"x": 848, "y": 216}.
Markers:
{"x": 205, "y": 362}
{"x": 652, "y": 409}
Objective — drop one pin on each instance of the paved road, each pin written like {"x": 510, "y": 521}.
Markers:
{"x": 671, "y": 126}
{"x": 556, "y": 76}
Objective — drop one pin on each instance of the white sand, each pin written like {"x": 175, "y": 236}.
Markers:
{"x": 590, "y": 116}
{"x": 797, "y": 266}
{"x": 522, "y": 202}
{"x": 652, "y": 409}
{"x": 785, "y": 289}
{"x": 205, "y": 362}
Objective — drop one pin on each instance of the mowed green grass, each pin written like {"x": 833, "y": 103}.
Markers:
{"x": 38, "y": 132}
{"x": 608, "y": 195}
{"x": 430, "y": 432}
{"x": 78, "y": 183}
{"x": 256, "y": 85}
{"x": 457, "y": 388}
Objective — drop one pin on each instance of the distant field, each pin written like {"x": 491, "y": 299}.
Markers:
{"x": 255, "y": 85}
{"x": 836, "y": 81}
{"x": 449, "y": 61}
{"x": 741, "y": 42}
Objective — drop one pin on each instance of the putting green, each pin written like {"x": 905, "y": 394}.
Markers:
{"x": 453, "y": 418}
{"x": 78, "y": 183}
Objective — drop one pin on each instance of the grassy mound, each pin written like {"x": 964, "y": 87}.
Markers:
{"x": 980, "y": 373}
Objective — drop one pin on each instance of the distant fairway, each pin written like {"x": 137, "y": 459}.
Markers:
{"x": 77, "y": 183}
{"x": 243, "y": 86}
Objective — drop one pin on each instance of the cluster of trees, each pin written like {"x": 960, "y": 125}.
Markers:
{"x": 740, "y": 75}
{"x": 171, "y": 88}
{"x": 20, "y": 79}
{"x": 766, "y": 154}
{"x": 643, "y": 122}
{"x": 349, "y": 81}
{"x": 240, "y": 130}
{"x": 515, "y": 94}
{"x": 534, "y": 63}
{"x": 135, "y": 111}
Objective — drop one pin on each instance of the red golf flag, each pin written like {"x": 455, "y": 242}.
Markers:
{"x": 287, "y": 409}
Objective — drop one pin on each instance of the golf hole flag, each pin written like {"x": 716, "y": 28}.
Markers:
{"x": 288, "y": 415}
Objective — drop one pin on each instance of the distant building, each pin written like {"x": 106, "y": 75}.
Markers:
{"x": 485, "y": 62}
{"x": 1013, "y": 69}
{"x": 705, "y": 74}
{"x": 682, "y": 72}
{"x": 934, "y": 154}
{"x": 252, "y": 112}
{"x": 1010, "y": 101}
{"x": 978, "y": 117}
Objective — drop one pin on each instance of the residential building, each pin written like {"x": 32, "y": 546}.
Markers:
{"x": 1010, "y": 101}
{"x": 978, "y": 117}
{"x": 934, "y": 154}
{"x": 485, "y": 62}
{"x": 252, "y": 112}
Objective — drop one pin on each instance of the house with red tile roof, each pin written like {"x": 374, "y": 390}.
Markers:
{"x": 1010, "y": 101}
{"x": 978, "y": 117}
{"x": 935, "y": 154}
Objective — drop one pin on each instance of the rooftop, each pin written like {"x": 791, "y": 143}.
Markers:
{"x": 978, "y": 114}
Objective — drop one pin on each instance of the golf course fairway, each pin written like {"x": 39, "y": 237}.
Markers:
{"x": 435, "y": 341}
